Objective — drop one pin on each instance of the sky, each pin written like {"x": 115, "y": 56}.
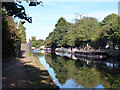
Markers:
{"x": 44, "y": 18}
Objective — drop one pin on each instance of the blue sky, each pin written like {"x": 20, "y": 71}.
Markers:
{"x": 45, "y": 18}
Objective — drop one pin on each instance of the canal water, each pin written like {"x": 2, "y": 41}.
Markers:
{"x": 70, "y": 71}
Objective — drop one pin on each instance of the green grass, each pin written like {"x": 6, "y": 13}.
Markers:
{"x": 38, "y": 75}
{"x": 29, "y": 50}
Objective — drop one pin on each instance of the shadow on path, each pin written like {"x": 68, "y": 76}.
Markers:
{"x": 15, "y": 74}
{"x": 39, "y": 78}
{"x": 21, "y": 54}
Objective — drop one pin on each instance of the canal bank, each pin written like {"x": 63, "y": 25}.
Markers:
{"x": 25, "y": 72}
{"x": 37, "y": 73}
{"x": 98, "y": 53}
{"x": 69, "y": 72}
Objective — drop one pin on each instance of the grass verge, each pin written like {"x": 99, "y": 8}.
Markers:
{"x": 29, "y": 49}
{"x": 38, "y": 75}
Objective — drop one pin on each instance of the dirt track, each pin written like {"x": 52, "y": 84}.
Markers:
{"x": 23, "y": 72}
{"x": 13, "y": 74}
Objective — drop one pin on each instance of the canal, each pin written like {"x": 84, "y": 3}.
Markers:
{"x": 69, "y": 71}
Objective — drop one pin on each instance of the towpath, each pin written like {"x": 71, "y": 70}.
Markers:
{"x": 13, "y": 74}
{"x": 23, "y": 72}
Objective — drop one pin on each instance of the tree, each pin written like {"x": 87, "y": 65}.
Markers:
{"x": 17, "y": 10}
{"x": 85, "y": 30}
{"x": 48, "y": 43}
{"x": 21, "y": 32}
{"x": 55, "y": 38}
{"x": 82, "y": 31}
{"x": 60, "y": 30}
{"x": 36, "y": 43}
{"x": 110, "y": 29}
{"x": 10, "y": 38}
{"x": 10, "y": 34}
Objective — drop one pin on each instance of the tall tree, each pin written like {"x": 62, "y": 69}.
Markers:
{"x": 85, "y": 30}
{"x": 110, "y": 29}
{"x": 10, "y": 39}
{"x": 21, "y": 32}
{"x": 82, "y": 31}
{"x": 61, "y": 29}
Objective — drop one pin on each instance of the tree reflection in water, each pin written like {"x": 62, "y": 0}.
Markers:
{"x": 85, "y": 72}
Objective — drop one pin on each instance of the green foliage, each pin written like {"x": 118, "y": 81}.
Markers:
{"x": 56, "y": 38}
{"x": 71, "y": 35}
{"x": 56, "y": 62}
{"x": 88, "y": 75}
{"x": 48, "y": 43}
{"x": 85, "y": 30}
{"x": 10, "y": 40}
{"x": 21, "y": 32}
{"x": 88, "y": 78}
{"x": 17, "y": 10}
{"x": 40, "y": 54}
{"x": 116, "y": 83}
{"x": 12, "y": 35}
{"x": 37, "y": 43}
{"x": 109, "y": 30}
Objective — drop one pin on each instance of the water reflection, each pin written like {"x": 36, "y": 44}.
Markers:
{"x": 71, "y": 71}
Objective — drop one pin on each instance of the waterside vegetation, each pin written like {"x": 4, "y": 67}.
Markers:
{"x": 86, "y": 30}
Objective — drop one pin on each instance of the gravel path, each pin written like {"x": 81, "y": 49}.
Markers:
{"x": 13, "y": 74}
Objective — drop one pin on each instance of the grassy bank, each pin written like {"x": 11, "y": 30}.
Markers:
{"x": 38, "y": 75}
